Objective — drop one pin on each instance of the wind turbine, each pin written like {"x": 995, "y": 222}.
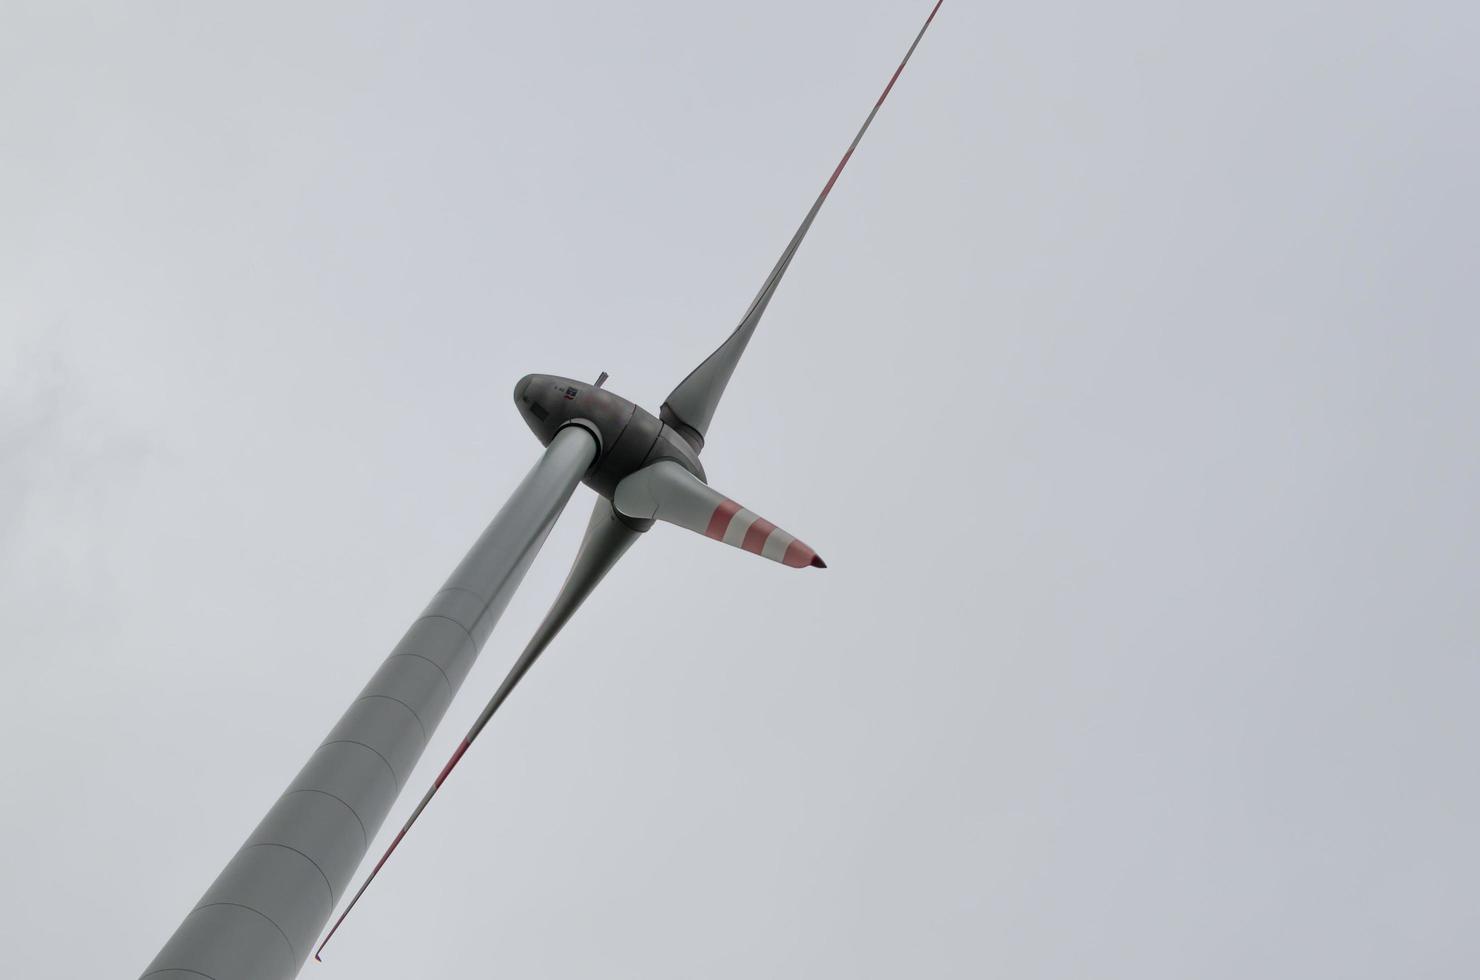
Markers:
{"x": 255, "y": 919}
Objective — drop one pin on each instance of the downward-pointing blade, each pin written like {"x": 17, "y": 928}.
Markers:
{"x": 607, "y": 540}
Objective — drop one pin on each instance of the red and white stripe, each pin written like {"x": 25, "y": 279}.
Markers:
{"x": 665, "y": 491}
{"x": 745, "y": 529}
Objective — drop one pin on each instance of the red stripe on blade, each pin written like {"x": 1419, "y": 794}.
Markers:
{"x": 895, "y": 78}
{"x": 834, "y": 178}
{"x": 394, "y": 844}
{"x": 719, "y": 522}
{"x": 755, "y": 537}
{"x": 452, "y": 762}
{"x": 798, "y": 555}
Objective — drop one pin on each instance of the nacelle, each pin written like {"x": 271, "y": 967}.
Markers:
{"x": 629, "y": 437}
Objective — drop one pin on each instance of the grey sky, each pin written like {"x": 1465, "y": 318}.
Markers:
{"x": 1127, "y": 383}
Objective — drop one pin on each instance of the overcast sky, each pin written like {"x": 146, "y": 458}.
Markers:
{"x": 1127, "y": 382}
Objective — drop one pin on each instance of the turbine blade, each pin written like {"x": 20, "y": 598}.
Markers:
{"x": 665, "y": 491}
{"x": 690, "y": 407}
{"x": 607, "y": 540}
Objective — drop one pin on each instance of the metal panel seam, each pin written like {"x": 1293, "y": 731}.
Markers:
{"x": 291, "y": 951}
{"x": 372, "y": 748}
{"x": 175, "y": 969}
{"x": 331, "y": 796}
{"x": 430, "y": 661}
{"x": 458, "y": 588}
{"x": 525, "y": 559}
{"x": 386, "y": 697}
{"x": 272, "y": 843}
{"x": 454, "y": 623}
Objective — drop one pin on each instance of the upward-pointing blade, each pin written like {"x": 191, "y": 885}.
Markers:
{"x": 690, "y": 407}
{"x": 607, "y": 539}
